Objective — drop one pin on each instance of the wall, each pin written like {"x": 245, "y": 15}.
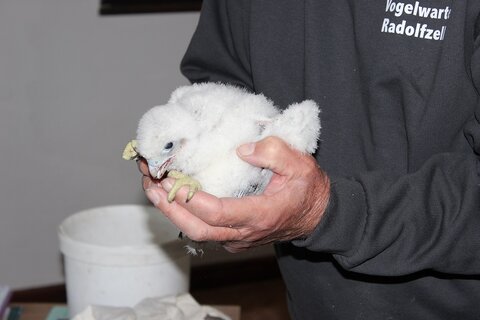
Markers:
{"x": 72, "y": 87}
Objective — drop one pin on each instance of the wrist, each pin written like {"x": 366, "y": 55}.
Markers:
{"x": 318, "y": 199}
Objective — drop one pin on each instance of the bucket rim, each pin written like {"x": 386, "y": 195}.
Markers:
{"x": 135, "y": 254}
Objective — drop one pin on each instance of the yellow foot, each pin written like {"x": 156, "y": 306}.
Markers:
{"x": 180, "y": 181}
{"x": 130, "y": 151}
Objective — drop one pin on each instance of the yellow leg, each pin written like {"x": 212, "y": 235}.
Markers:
{"x": 180, "y": 181}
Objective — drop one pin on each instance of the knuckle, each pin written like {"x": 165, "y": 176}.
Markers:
{"x": 146, "y": 182}
{"x": 266, "y": 225}
{"x": 272, "y": 144}
{"x": 216, "y": 219}
{"x": 311, "y": 171}
{"x": 199, "y": 235}
{"x": 311, "y": 167}
{"x": 270, "y": 140}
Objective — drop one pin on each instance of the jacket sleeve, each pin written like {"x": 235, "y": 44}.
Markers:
{"x": 426, "y": 220}
{"x": 429, "y": 219}
{"x": 213, "y": 54}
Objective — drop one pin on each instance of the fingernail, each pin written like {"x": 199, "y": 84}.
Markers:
{"x": 152, "y": 196}
{"x": 246, "y": 149}
{"x": 167, "y": 185}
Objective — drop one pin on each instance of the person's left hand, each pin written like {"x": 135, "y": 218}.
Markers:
{"x": 290, "y": 207}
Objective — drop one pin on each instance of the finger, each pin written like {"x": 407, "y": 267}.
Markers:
{"x": 272, "y": 153}
{"x": 143, "y": 166}
{"x": 149, "y": 182}
{"x": 218, "y": 212}
{"x": 233, "y": 249}
{"x": 180, "y": 217}
{"x": 192, "y": 226}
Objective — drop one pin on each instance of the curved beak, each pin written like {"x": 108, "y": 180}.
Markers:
{"x": 157, "y": 168}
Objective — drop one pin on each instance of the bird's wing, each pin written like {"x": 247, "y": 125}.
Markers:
{"x": 258, "y": 187}
{"x": 298, "y": 125}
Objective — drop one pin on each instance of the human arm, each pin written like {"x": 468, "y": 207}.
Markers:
{"x": 425, "y": 220}
{"x": 383, "y": 222}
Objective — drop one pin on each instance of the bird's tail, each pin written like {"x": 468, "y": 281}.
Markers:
{"x": 298, "y": 125}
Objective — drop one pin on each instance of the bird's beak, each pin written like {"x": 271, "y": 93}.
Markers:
{"x": 158, "y": 168}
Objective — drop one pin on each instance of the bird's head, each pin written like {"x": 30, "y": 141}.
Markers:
{"x": 163, "y": 132}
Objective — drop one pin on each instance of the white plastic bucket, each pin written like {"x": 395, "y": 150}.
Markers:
{"x": 119, "y": 255}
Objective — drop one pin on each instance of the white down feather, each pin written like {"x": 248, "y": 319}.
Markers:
{"x": 206, "y": 122}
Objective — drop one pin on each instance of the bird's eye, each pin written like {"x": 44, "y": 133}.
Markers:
{"x": 168, "y": 146}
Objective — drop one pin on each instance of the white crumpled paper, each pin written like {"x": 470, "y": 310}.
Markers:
{"x": 182, "y": 307}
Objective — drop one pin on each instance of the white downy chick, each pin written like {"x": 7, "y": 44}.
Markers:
{"x": 197, "y": 132}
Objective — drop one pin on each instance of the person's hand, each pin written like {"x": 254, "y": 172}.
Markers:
{"x": 290, "y": 207}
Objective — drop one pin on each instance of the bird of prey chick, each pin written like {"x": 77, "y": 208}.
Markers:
{"x": 195, "y": 135}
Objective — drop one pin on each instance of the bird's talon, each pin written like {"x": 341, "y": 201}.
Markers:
{"x": 171, "y": 196}
{"x": 180, "y": 181}
{"x": 176, "y": 174}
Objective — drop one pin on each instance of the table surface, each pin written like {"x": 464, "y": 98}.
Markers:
{"x": 39, "y": 311}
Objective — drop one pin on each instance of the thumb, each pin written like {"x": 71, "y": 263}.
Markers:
{"x": 271, "y": 152}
